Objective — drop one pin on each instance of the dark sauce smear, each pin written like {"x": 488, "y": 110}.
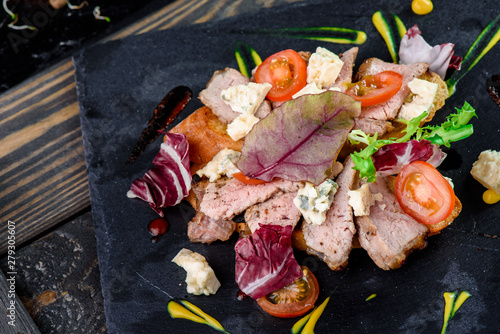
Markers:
{"x": 157, "y": 227}
{"x": 453, "y": 160}
{"x": 240, "y": 295}
{"x": 493, "y": 87}
{"x": 171, "y": 105}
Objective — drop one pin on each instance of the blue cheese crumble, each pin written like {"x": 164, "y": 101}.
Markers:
{"x": 314, "y": 201}
{"x": 224, "y": 163}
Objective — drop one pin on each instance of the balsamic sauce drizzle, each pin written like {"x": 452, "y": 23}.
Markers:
{"x": 164, "y": 114}
{"x": 493, "y": 87}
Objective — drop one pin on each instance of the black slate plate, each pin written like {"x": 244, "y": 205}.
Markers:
{"x": 121, "y": 82}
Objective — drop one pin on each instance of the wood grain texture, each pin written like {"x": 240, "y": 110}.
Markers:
{"x": 42, "y": 168}
{"x": 14, "y": 318}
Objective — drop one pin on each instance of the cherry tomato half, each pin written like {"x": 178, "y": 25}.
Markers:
{"x": 247, "y": 180}
{"x": 294, "y": 299}
{"x": 375, "y": 89}
{"x": 286, "y": 71}
{"x": 423, "y": 193}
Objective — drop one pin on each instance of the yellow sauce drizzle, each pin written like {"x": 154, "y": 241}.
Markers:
{"x": 382, "y": 26}
{"x": 494, "y": 40}
{"x": 183, "y": 311}
{"x": 422, "y": 7}
{"x": 309, "y": 327}
{"x": 370, "y": 297}
{"x": 299, "y": 324}
{"x": 177, "y": 311}
{"x": 490, "y": 197}
{"x": 379, "y": 23}
{"x": 452, "y": 304}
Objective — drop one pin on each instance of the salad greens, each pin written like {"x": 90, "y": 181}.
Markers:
{"x": 456, "y": 127}
{"x": 300, "y": 139}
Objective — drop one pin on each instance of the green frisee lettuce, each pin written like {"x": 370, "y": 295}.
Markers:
{"x": 455, "y": 128}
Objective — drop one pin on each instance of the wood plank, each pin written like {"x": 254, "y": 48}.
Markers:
{"x": 42, "y": 174}
{"x": 60, "y": 290}
{"x": 14, "y": 318}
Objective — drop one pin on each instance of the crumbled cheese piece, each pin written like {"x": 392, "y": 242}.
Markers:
{"x": 241, "y": 125}
{"x": 200, "y": 276}
{"x": 246, "y": 99}
{"x": 323, "y": 68}
{"x": 310, "y": 88}
{"x": 486, "y": 170}
{"x": 224, "y": 163}
{"x": 425, "y": 92}
{"x": 362, "y": 199}
{"x": 314, "y": 201}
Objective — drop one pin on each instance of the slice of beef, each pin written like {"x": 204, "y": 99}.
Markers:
{"x": 203, "y": 228}
{"x": 264, "y": 109}
{"x": 207, "y": 230}
{"x": 278, "y": 210}
{"x": 371, "y": 126}
{"x": 388, "y": 110}
{"x": 211, "y": 95}
{"x": 332, "y": 240}
{"x": 345, "y": 75}
{"x": 388, "y": 234}
{"x": 235, "y": 197}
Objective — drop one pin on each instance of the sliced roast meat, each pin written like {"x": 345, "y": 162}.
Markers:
{"x": 278, "y": 210}
{"x": 202, "y": 228}
{"x": 337, "y": 168}
{"x": 207, "y": 230}
{"x": 388, "y": 110}
{"x": 211, "y": 95}
{"x": 388, "y": 234}
{"x": 371, "y": 126}
{"x": 235, "y": 197}
{"x": 332, "y": 240}
{"x": 264, "y": 109}
{"x": 345, "y": 75}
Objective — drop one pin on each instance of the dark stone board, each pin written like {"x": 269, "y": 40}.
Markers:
{"x": 121, "y": 82}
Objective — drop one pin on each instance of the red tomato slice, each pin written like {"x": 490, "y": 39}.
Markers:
{"x": 423, "y": 193}
{"x": 294, "y": 299}
{"x": 247, "y": 180}
{"x": 286, "y": 71}
{"x": 375, "y": 89}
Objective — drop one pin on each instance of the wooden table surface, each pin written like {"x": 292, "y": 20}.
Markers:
{"x": 44, "y": 193}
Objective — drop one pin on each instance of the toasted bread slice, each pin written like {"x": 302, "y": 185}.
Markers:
{"x": 437, "y": 228}
{"x": 206, "y": 136}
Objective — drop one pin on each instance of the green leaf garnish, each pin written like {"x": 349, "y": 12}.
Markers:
{"x": 455, "y": 128}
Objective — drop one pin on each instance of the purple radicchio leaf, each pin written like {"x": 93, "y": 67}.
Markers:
{"x": 169, "y": 181}
{"x": 300, "y": 139}
{"x": 414, "y": 48}
{"x": 265, "y": 261}
{"x": 391, "y": 158}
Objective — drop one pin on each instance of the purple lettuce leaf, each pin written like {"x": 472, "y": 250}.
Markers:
{"x": 414, "y": 48}
{"x": 169, "y": 181}
{"x": 265, "y": 261}
{"x": 300, "y": 139}
{"x": 391, "y": 158}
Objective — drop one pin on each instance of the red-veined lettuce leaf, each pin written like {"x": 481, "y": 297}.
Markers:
{"x": 265, "y": 261}
{"x": 414, "y": 48}
{"x": 390, "y": 158}
{"x": 300, "y": 139}
{"x": 169, "y": 181}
